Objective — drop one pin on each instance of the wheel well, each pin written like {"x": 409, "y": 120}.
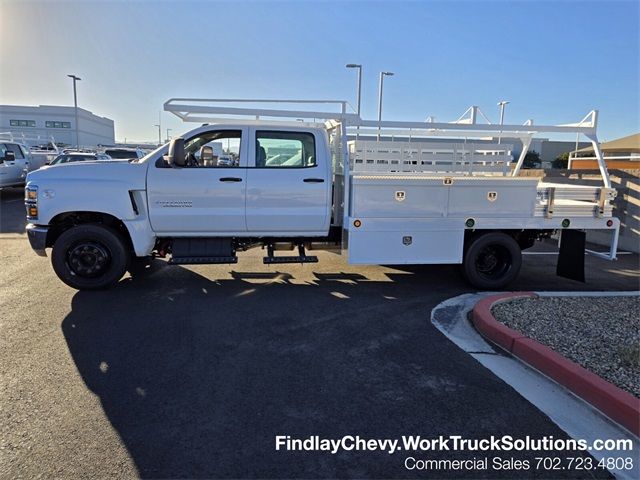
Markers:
{"x": 64, "y": 221}
{"x": 525, "y": 238}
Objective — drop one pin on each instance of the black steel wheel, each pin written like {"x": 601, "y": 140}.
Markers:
{"x": 492, "y": 261}
{"x": 90, "y": 257}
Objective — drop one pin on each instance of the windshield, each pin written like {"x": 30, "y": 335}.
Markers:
{"x": 151, "y": 154}
{"x": 121, "y": 154}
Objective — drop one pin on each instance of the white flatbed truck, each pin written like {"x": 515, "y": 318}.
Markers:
{"x": 302, "y": 180}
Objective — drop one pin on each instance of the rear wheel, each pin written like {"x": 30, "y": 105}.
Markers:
{"x": 90, "y": 257}
{"x": 492, "y": 261}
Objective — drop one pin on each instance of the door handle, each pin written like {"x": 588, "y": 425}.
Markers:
{"x": 313, "y": 180}
{"x": 230, "y": 179}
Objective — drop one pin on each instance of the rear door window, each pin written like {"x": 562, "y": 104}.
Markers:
{"x": 285, "y": 149}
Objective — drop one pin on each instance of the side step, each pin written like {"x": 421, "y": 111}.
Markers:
{"x": 301, "y": 258}
{"x": 192, "y": 251}
{"x": 201, "y": 260}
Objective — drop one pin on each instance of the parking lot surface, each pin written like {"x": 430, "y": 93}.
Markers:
{"x": 192, "y": 372}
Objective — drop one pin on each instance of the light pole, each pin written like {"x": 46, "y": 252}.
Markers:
{"x": 501, "y": 104}
{"x": 359, "y": 67}
{"x": 75, "y": 105}
{"x": 159, "y": 134}
{"x": 168, "y": 130}
{"x": 380, "y": 86}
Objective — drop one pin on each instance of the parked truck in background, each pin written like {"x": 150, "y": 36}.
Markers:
{"x": 14, "y": 164}
{"x": 379, "y": 192}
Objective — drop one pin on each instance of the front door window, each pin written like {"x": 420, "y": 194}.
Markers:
{"x": 214, "y": 149}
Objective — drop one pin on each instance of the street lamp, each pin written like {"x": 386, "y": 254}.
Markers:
{"x": 159, "y": 133}
{"x": 359, "y": 67}
{"x": 75, "y": 105}
{"x": 168, "y": 130}
{"x": 380, "y": 86}
{"x": 501, "y": 104}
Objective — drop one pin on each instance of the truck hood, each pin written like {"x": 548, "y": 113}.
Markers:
{"x": 130, "y": 175}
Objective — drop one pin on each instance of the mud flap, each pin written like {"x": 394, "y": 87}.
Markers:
{"x": 571, "y": 258}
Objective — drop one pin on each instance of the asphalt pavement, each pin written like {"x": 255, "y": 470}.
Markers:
{"x": 192, "y": 371}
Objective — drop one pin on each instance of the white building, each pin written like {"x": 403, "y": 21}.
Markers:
{"x": 38, "y": 124}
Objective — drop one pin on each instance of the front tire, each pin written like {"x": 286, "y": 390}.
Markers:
{"x": 492, "y": 261}
{"x": 90, "y": 257}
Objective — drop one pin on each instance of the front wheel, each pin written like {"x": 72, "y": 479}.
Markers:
{"x": 90, "y": 257}
{"x": 492, "y": 261}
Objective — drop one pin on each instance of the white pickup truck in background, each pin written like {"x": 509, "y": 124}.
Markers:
{"x": 14, "y": 164}
{"x": 379, "y": 192}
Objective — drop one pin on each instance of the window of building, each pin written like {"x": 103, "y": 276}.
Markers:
{"x": 57, "y": 124}
{"x": 285, "y": 149}
{"x": 22, "y": 123}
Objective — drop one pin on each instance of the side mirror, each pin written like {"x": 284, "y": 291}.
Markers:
{"x": 9, "y": 156}
{"x": 176, "y": 155}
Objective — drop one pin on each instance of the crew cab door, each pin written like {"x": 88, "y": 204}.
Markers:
{"x": 208, "y": 195}
{"x": 288, "y": 183}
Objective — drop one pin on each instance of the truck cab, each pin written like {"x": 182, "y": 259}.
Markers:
{"x": 199, "y": 199}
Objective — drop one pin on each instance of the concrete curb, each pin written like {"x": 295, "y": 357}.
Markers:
{"x": 615, "y": 403}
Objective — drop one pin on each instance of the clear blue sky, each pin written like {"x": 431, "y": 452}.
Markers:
{"x": 554, "y": 61}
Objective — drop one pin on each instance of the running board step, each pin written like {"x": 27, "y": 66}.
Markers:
{"x": 302, "y": 256}
{"x": 202, "y": 260}
{"x": 291, "y": 259}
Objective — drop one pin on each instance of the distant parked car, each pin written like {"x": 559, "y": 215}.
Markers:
{"x": 14, "y": 164}
{"x": 124, "y": 153}
{"x": 79, "y": 157}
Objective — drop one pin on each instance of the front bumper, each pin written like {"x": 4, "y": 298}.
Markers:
{"x": 38, "y": 238}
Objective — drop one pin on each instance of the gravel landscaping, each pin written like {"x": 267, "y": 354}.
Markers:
{"x": 600, "y": 333}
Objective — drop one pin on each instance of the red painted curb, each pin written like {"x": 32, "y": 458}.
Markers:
{"x": 615, "y": 403}
{"x": 495, "y": 331}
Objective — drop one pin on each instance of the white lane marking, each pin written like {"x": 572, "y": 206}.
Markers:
{"x": 569, "y": 412}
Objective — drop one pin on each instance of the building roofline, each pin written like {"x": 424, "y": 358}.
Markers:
{"x": 71, "y": 107}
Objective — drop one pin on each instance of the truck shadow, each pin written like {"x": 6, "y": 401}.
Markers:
{"x": 199, "y": 375}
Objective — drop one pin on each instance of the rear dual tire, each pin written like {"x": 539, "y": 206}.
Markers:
{"x": 492, "y": 261}
{"x": 90, "y": 257}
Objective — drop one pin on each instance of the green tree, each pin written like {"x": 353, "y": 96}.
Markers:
{"x": 532, "y": 160}
{"x": 561, "y": 161}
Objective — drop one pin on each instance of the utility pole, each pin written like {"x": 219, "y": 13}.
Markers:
{"x": 380, "y": 86}
{"x": 75, "y": 105}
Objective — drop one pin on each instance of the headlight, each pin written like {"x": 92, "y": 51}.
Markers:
{"x": 31, "y": 201}
{"x": 31, "y": 193}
